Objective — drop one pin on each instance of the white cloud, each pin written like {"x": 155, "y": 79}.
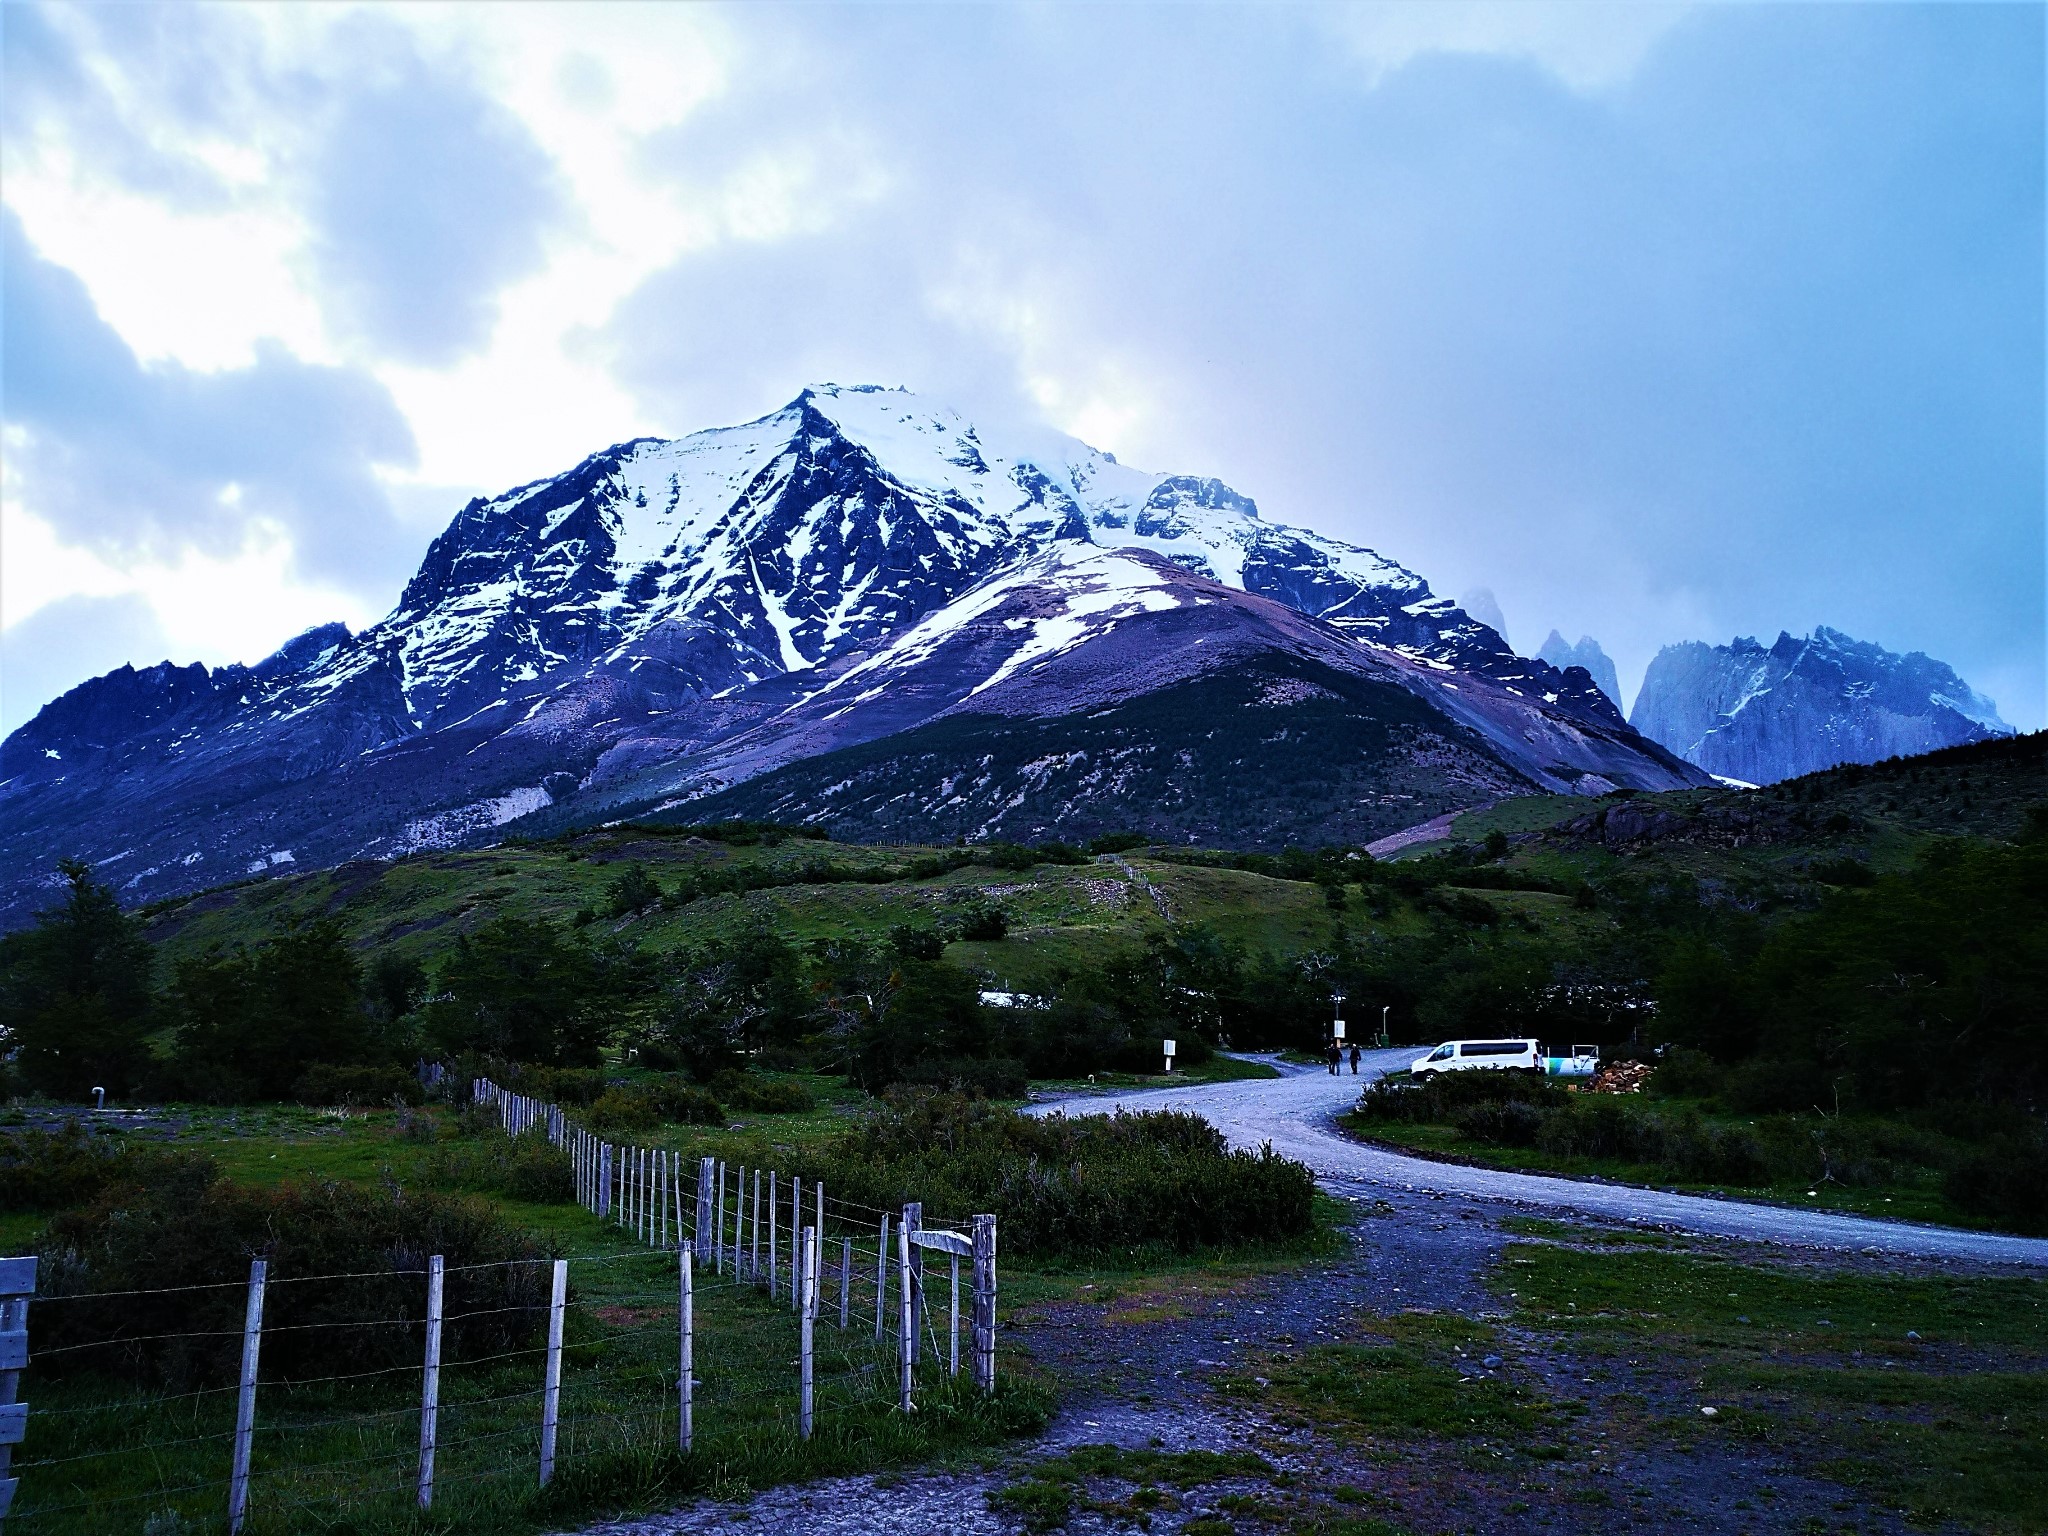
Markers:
{"x": 1589, "y": 45}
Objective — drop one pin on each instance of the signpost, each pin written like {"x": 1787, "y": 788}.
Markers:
{"x": 1169, "y": 1055}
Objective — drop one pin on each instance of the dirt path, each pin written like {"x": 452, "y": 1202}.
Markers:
{"x": 1162, "y": 1370}
{"x": 1295, "y": 1115}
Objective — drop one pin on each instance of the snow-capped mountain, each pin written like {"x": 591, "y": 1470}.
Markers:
{"x": 1587, "y": 653}
{"x": 671, "y": 617}
{"x": 1761, "y": 713}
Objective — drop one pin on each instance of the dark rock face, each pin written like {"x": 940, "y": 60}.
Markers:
{"x": 1587, "y": 654}
{"x": 1760, "y": 714}
{"x": 670, "y": 619}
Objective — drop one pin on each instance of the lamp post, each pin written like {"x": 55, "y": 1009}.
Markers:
{"x": 1385, "y": 1009}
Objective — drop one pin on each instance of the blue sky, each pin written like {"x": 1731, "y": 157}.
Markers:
{"x": 1663, "y": 323}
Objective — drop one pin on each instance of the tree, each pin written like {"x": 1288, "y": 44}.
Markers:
{"x": 522, "y": 990}
{"x": 253, "y": 1021}
{"x": 75, "y": 998}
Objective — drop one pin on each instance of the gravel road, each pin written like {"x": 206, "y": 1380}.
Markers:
{"x": 1296, "y": 1113}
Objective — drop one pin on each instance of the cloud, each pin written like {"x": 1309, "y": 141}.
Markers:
{"x": 426, "y": 199}
{"x": 1749, "y": 336}
{"x": 141, "y": 462}
{"x": 58, "y": 647}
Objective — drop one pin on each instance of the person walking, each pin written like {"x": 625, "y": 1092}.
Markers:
{"x": 1333, "y": 1056}
{"x": 1354, "y": 1058}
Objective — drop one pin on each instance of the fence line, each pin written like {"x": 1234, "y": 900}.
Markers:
{"x": 725, "y": 1229}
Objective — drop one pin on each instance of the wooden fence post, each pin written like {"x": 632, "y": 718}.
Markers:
{"x": 913, "y": 1222}
{"x": 685, "y": 1382}
{"x": 773, "y": 1265}
{"x": 245, "y": 1404}
{"x": 701, "y": 1235}
{"x": 905, "y": 1362}
{"x": 719, "y": 1236}
{"x": 882, "y": 1280}
{"x": 796, "y": 1242}
{"x": 953, "y": 1322}
{"x": 430, "y": 1382}
{"x": 845, "y": 1280}
{"x": 985, "y": 1303}
{"x": 551, "y": 1383}
{"x": 17, "y": 1284}
{"x": 604, "y": 1180}
{"x": 807, "y": 1310}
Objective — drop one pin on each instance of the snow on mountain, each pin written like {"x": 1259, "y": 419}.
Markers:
{"x": 617, "y": 623}
{"x": 1762, "y": 713}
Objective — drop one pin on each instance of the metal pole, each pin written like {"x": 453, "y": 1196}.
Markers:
{"x": 430, "y": 1385}
{"x": 685, "y": 1384}
{"x": 245, "y": 1405}
{"x": 551, "y": 1391}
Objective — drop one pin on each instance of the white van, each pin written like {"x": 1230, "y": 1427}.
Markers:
{"x": 1504, "y": 1056}
{"x": 1478, "y": 1056}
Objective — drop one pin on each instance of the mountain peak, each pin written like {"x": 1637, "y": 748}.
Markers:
{"x": 1805, "y": 704}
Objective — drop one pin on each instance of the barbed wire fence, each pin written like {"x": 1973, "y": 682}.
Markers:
{"x": 645, "y": 1353}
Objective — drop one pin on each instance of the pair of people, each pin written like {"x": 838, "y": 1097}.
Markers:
{"x": 1335, "y": 1058}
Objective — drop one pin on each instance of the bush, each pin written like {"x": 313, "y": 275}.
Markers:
{"x": 1686, "y": 1074}
{"x": 2006, "y": 1180}
{"x": 526, "y": 1167}
{"x": 680, "y": 1102}
{"x": 1000, "y": 1078}
{"x": 623, "y": 1109}
{"x": 195, "y": 1233}
{"x": 1087, "y": 1185}
{"x": 328, "y": 1084}
{"x": 763, "y": 1095}
{"x": 47, "y": 1171}
{"x": 984, "y": 922}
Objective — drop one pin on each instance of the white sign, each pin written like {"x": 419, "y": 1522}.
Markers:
{"x": 1339, "y": 1027}
{"x": 1169, "y": 1047}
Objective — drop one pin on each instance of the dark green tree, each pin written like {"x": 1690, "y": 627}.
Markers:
{"x": 252, "y": 1021}
{"x": 525, "y": 991}
{"x": 75, "y": 998}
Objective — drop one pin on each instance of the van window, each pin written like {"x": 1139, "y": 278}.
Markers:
{"x": 1493, "y": 1048}
{"x": 1442, "y": 1053}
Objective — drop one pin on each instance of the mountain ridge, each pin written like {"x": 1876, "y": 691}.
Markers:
{"x": 626, "y": 622}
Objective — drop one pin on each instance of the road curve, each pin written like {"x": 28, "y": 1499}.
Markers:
{"x": 1295, "y": 1114}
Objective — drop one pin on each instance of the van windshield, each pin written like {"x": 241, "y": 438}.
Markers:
{"x": 1441, "y": 1053}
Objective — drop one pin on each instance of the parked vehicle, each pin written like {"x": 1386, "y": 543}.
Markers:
{"x": 1505, "y": 1056}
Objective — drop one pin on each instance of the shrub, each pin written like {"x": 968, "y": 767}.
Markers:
{"x": 984, "y": 921}
{"x": 763, "y": 1095}
{"x": 1000, "y": 1078}
{"x": 2006, "y": 1180}
{"x": 1686, "y": 1074}
{"x": 195, "y": 1233}
{"x": 527, "y": 1167}
{"x": 1070, "y": 1186}
{"x": 623, "y": 1109}
{"x": 680, "y": 1102}
{"x": 46, "y": 1171}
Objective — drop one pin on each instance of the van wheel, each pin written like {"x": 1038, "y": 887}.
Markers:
{"x": 1420, "y": 1077}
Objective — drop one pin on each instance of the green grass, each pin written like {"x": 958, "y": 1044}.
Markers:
{"x": 1420, "y": 1377}
{"x": 341, "y": 1456}
{"x": 1929, "y": 1392}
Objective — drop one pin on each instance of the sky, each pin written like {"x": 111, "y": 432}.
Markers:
{"x": 1657, "y": 323}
